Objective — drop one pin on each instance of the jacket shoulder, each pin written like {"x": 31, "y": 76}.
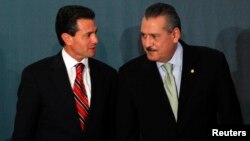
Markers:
{"x": 134, "y": 64}
{"x": 40, "y": 64}
{"x": 200, "y": 50}
{"x": 103, "y": 67}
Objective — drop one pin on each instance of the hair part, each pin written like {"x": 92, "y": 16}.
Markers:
{"x": 166, "y": 10}
{"x": 66, "y": 19}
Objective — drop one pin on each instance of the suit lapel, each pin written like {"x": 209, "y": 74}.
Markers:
{"x": 62, "y": 84}
{"x": 96, "y": 87}
{"x": 158, "y": 93}
{"x": 189, "y": 73}
{"x": 95, "y": 84}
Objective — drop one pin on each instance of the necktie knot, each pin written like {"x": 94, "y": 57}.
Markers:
{"x": 169, "y": 75}
{"x": 168, "y": 67}
{"x": 79, "y": 68}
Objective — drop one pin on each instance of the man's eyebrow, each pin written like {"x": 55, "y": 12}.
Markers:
{"x": 90, "y": 32}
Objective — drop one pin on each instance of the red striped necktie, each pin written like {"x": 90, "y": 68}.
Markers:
{"x": 80, "y": 96}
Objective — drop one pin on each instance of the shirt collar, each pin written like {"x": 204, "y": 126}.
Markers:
{"x": 177, "y": 58}
{"x": 71, "y": 62}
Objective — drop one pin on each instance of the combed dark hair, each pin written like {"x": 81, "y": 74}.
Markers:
{"x": 162, "y": 9}
{"x": 66, "y": 19}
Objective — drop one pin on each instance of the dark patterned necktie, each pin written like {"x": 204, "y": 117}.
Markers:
{"x": 80, "y": 96}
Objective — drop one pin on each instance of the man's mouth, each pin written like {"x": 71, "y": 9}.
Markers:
{"x": 150, "y": 49}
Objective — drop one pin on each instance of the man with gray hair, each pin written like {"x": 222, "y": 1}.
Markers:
{"x": 175, "y": 91}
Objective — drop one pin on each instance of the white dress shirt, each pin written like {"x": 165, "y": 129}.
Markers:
{"x": 176, "y": 60}
{"x": 71, "y": 70}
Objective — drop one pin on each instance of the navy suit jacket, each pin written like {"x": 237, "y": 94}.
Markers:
{"x": 46, "y": 108}
{"x": 207, "y": 98}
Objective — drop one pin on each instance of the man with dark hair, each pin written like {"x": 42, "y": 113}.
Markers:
{"x": 175, "y": 91}
{"x": 69, "y": 96}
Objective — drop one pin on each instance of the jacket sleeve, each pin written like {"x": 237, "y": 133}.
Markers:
{"x": 27, "y": 108}
{"x": 127, "y": 128}
{"x": 228, "y": 104}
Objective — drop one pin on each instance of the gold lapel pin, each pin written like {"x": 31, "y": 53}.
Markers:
{"x": 192, "y": 71}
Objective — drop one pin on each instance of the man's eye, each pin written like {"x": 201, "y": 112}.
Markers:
{"x": 143, "y": 35}
{"x": 155, "y": 36}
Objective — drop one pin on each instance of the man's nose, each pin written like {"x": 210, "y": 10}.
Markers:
{"x": 148, "y": 41}
{"x": 95, "y": 39}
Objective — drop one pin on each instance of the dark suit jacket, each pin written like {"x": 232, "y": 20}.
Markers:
{"x": 207, "y": 98}
{"x": 46, "y": 108}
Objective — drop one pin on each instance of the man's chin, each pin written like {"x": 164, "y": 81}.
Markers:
{"x": 151, "y": 57}
{"x": 92, "y": 53}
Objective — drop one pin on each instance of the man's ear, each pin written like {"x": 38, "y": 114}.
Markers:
{"x": 176, "y": 34}
{"x": 67, "y": 38}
